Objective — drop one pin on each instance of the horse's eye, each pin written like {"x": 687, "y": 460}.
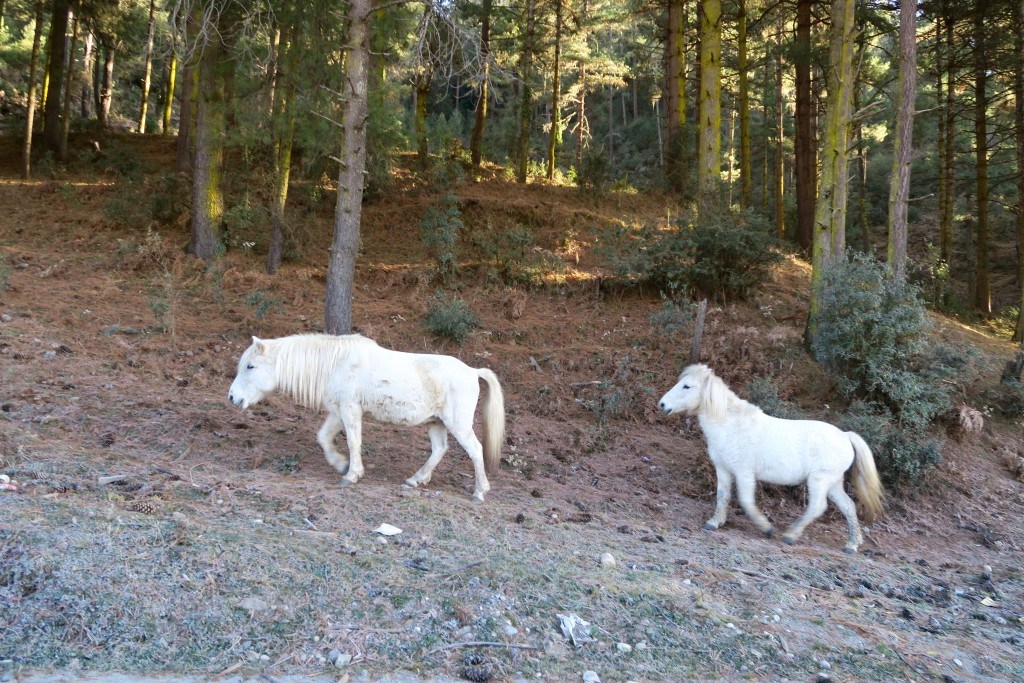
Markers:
{"x": 250, "y": 366}
{"x": 685, "y": 386}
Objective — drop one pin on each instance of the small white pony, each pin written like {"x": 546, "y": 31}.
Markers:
{"x": 351, "y": 375}
{"x": 746, "y": 446}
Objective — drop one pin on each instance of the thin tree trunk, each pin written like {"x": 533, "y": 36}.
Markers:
{"x": 422, "y": 144}
{"x": 555, "y": 137}
{"x": 862, "y": 160}
{"x": 3, "y": 6}
{"x": 709, "y": 162}
{"x": 983, "y": 293}
{"x": 780, "y": 137}
{"x": 148, "y": 69}
{"x": 341, "y": 268}
{"x": 208, "y": 158}
{"x": 169, "y": 83}
{"x": 744, "y": 102}
{"x": 830, "y": 210}
{"x": 946, "y": 227}
{"x": 107, "y": 91}
{"x": 675, "y": 109}
{"x": 476, "y": 141}
{"x": 732, "y": 154}
{"x": 55, "y": 72}
{"x": 69, "y": 89}
{"x": 284, "y": 120}
{"x": 186, "y": 112}
{"x": 803, "y": 141}
{"x": 940, "y": 138}
{"x": 1018, "y": 87}
{"x": 581, "y": 120}
{"x": 902, "y": 153}
{"x": 272, "y": 68}
{"x": 522, "y": 150}
{"x": 33, "y": 64}
{"x": 85, "y": 96}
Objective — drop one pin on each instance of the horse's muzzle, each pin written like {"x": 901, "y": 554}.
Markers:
{"x": 238, "y": 402}
{"x": 664, "y": 408}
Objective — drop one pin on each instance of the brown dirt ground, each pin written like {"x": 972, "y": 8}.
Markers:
{"x": 151, "y": 574}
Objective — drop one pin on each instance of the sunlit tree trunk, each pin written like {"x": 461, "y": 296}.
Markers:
{"x": 555, "y": 136}
{"x": 744, "y": 104}
{"x": 709, "y": 161}
{"x": 803, "y": 143}
{"x": 283, "y": 121}
{"x": 69, "y": 90}
{"x": 899, "y": 181}
{"x": 107, "y": 87}
{"x": 983, "y": 291}
{"x": 341, "y": 268}
{"x": 33, "y": 65}
{"x": 522, "y": 149}
{"x": 208, "y": 157}
{"x": 148, "y": 68}
{"x": 88, "y": 58}
{"x": 830, "y": 210}
{"x": 1018, "y": 87}
{"x": 480, "y": 123}
{"x": 675, "y": 96}
{"x": 169, "y": 83}
{"x": 55, "y": 76}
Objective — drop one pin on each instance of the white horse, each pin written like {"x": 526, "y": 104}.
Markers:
{"x": 746, "y": 446}
{"x": 351, "y": 375}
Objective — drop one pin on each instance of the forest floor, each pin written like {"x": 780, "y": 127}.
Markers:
{"x": 158, "y": 530}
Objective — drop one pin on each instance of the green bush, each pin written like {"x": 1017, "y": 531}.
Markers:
{"x": 764, "y": 393}
{"x": 594, "y": 172}
{"x": 439, "y": 230}
{"x": 902, "y": 455}
{"x": 728, "y": 256}
{"x": 450, "y": 317}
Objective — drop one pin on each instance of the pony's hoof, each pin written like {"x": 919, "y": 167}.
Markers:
{"x": 710, "y": 527}
{"x": 410, "y": 483}
{"x": 788, "y": 540}
{"x": 478, "y": 497}
{"x": 346, "y": 482}
{"x": 769, "y": 533}
{"x": 849, "y": 551}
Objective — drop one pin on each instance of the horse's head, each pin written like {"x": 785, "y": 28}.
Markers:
{"x": 697, "y": 391}
{"x": 256, "y": 375}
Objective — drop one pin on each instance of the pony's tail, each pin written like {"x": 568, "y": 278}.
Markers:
{"x": 865, "y": 479}
{"x": 493, "y": 420}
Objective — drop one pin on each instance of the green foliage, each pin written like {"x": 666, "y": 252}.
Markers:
{"x": 244, "y": 221}
{"x": 450, "y": 317}
{"x": 594, "y": 172}
{"x": 675, "y": 314}
{"x": 5, "y": 274}
{"x": 439, "y": 231}
{"x": 727, "y": 257}
{"x": 263, "y": 304}
{"x": 903, "y": 455}
{"x": 764, "y": 393}
{"x": 448, "y": 169}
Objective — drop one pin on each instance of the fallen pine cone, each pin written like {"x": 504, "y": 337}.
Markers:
{"x": 144, "y": 506}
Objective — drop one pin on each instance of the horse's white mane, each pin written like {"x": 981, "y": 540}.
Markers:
{"x": 305, "y": 362}
{"x": 719, "y": 399}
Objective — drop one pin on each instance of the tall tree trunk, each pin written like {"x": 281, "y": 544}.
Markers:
{"x": 107, "y": 89}
{"x": 274, "y": 56}
{"x": 902, "y": 153}
{"x": 33, "y": 64}
{"x": 555, "y": 137}
{"x": 148, "y": 69}
{"x": 744, "y": 97}
{"x": 862, "y": 173}
{"x": 983, "y": 292}
{"x": 780, "y": 137}
{"x": 3, "y": 6}
{"x": 422, "y": 93}
{"x": 522, "y": 150}
{"x": 476, "y": 141}
{"x": 341, "y": 268}
{"x": 186, "y": 117}
{"x": 55, "y": 76}
{"x": 946, "y": 220}
{"x": 803, "y": 143}
{"x": 169, "y": 82}
{"x": 731, "y": 155}
{"x": 940, "y": 137}
{"x": 1018, "y": 88}
{"x": 208, "y": 158}
{"x": 830, "y": 210}
{"x": 283, "y": 120}
{"x": 675, "y": 89}
{"x": 85, "y": 95}
{"x": 709, "y": 162}
{"x": 766, "y": 132}
{"x": 69, "y": 89}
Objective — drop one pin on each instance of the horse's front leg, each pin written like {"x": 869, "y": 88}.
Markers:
{"x": 724, "y": 477}
{"x": 329, "y": 430}
{"x": 353, "y": 420}
{"x": 745, "y": 486}
{"x": 816, "y": 503}
{"x": 438, "y": 447}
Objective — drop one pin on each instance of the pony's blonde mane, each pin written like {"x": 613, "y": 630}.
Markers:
{"x": 718, "y": 399}
{"x": 304, "y": 363}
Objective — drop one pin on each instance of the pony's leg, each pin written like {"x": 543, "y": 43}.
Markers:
{"x": 745, "y": 486}
{"x": 353, "y": 421}
{"x": 724, "y": 496}
{"x": 329, "y": 430}
{"x": 816, "y": 502}
{"x": 468, "y": 440}
{"x": 838, "y": 496}
{"x": 438, "y": 447}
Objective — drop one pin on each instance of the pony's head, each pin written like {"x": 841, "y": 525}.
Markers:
{"x": 256, "y": 376}
{"x": 698, "y": 391}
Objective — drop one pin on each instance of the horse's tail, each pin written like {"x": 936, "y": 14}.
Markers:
{"x": 865, "y": 478}
{"x": 493, "y": 419}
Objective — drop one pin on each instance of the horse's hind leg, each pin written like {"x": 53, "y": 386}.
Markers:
{"x": 838, "y": 496}
{"x": 438, "y": 447}
{"x": 724, "y": 496}
{"x": 745, "y": 486}
{"x": 468, "y": 440}
{"x": 816, "y": 491}
{"x": 329, "y": 430}
{"x": 353, "y": 420}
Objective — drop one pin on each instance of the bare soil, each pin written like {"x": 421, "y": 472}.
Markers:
{"x": 228, "y": 546}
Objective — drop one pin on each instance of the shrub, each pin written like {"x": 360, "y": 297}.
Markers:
{"x": 902, "y": 455}
{"x": 764, "y": 393}
{"x": 728, "y": 256}
{"x": 439, "y": 230}
{"x": 594, "y": 171}
{"x": 450, "y": 317}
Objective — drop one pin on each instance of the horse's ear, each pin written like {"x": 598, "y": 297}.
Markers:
{"x": 258, "y": 345}
{"x": 716, "y": 398}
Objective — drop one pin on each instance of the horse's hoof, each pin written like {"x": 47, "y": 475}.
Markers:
{"x": 478, "y": 497}
{"x": 769, "y": 533}
{"x": 346, "y": 482}
{"x": 788, "y": 540}
{"x": 710, "y": 527}
{"x": 849, "y": 551}
{"x": 410, "y": 483}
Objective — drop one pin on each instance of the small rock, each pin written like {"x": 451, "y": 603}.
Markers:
{"x": 824, "y": 664}
{"x": 253, "y": 605}
{"x": 381, "y": 540}
{"x": 49, "y": 354}
{"x": 608, "y": 561}
{"x": 343, "y": 660}
{"x": 624, "y": 648}
{"x": 5, "y": 318}
{"x": 333, "y": 655}
{"x": 591, "y": 677}
{"x": 509, "y": 630}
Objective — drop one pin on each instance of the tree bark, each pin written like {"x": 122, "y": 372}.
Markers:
{"x": 186, "y": 118}
{"x": 983, "y": 291}
{"x": 55, "y": 76}
{"x": 744, "y": 105}
{"x": 89, "y": 56}
{"x": 283, "y": 120}
{"x": 830, "y": 210}
{"x": 803, "y": 143}
{"x": 709, "y": 161}
{"x": 168, "y": 99}
{"x": 522, "y": 150}
{"x": 675, "y": 92}
{"x": 148, "y": 68}
{"x": 208, "y": 158}
{"x": 341, "y": 268}
{"x": 555, "y": 136}
{"x": 946, "y": 227}
{"x": 33, "y": 64}
{"x": 780, "y": 136}
{"x": 902, "y": 153}
{"x": 476, "y": 141}
{"x": 107, "y": 89}
{"x": 69, "y": 89}
{"x": 1018, "y": 87}
{"x": 940, "y": 137}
